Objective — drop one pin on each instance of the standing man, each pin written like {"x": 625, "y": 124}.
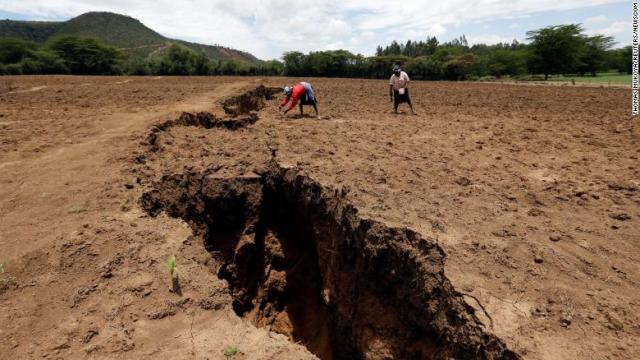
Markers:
{"x": 302, "y": 92}
{"x": 399, "y": 89}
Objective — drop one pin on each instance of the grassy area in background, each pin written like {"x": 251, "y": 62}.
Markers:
{"x": 601, "y": 78}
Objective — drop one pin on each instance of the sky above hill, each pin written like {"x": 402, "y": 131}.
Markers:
{"x": 267, "y": 28}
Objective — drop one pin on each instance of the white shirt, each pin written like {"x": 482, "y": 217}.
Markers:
{"x": 399, "y": 82}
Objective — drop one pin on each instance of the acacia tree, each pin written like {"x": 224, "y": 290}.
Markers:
{"x": 87, "y": 56}
{"x": 294, "y": 63}
{"x": 555, "y": 49}
{"x": 594, "y": 57}
{"x": 13, "y": 50}
{"x": 623, "y": 60}
{"x": 502, "y": 62}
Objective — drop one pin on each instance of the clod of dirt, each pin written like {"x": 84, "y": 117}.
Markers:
{"x": 463, "y": 181}
{"x": 252, "y": 100}
{"x": 538, "y": 258}
{"x": 300, "y": 261}
{"x": 201, "y": 119}
{"x": 616, "y": 185}
{"x": 620, "y": 216}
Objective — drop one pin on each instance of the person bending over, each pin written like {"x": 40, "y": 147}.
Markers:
{"x": 301, "y": 93}
{"x": 399, "y": 89}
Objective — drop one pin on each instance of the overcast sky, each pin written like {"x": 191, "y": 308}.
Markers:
{"x": 267, "y": 28}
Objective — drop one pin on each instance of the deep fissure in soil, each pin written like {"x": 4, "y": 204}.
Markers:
{"x": 252, "y": 100}
{"x": 300, "y": 261}
{"x": 243, "y": 109}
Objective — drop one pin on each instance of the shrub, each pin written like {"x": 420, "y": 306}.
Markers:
{"x": 13, "y": 69}
{"x": 87, "y": 56}
{"x": 13, "y": 50}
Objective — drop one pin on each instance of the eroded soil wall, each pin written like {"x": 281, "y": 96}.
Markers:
{"x": 300, "y": 261}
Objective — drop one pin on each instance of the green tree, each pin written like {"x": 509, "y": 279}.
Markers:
{"x": 503, "y": 62}
{"x": 87, "y": 56}
{"x": 13, "y": 50}
{"x": 201, "y": 64}
{"x": 43, "y": 62}
{"x": 594, "y": 54}
{"x": 447, "y": 51}
{"x": 272, "y": 68}
{"x": 430, "y": 47}
{"x": 620, "y": 60}
{"x": 179, "y": 60}
{"x": 293, "y": 63}
{"x": 139, "y": 67}
{"x": 229, "y": 68}
{"x": 460, "y": 67}
{"x": 425, "y": 68}
{"x": 555, "y": 49}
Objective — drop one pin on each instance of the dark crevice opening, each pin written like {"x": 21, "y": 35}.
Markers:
{"x": 300, "y": 261}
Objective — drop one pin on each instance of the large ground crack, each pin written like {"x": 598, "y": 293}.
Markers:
{"x": 243, "y": 109}
{"x": 300, "y": 260}
{"x": 202, "y": 119}
{"x": 252, "y": 100}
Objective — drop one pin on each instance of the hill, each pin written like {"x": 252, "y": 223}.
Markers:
{"x": 37, "y": 31}
{"x": 124, "y": 32}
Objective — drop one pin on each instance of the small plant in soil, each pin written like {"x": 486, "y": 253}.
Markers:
{"x": 230, "y": 352}
{"x": 173, "y": 274}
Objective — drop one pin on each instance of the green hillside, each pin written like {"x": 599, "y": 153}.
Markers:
{"x": 124, "y": 32}
{"x": 117, "y": 30}
{"x": 37, "y": 31}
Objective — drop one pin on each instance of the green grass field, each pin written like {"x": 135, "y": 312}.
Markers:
{"x": 601, "y": 78}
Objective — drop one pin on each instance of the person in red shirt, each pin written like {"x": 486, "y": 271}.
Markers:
{"x": 301, "y": 93}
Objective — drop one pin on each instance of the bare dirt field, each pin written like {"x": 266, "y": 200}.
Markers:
{"x": 502, "y": 222}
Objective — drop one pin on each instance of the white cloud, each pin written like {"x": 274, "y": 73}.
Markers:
{"x": 269, "y": 27}
{"x": 489, "y": 39}
{"x": 436, "y": 30}
{"x": 619, "y": 30}
{"x": 615, "y": 28}
{"x": 596, "y": 19}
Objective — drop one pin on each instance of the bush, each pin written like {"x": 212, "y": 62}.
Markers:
{"x": 138, "y": 67}
{"x": 13, "y": 69}
{"x": 180, "y": 60}
{"x": 271, "y": 68}
{"x": 13, "y": 50}
{"x": 44, "y": 62}
{"x": 460, "y": 67}
{"x": 506, "y": 62}
{"x": 425, "y": 68}
{"x": 87, "y": 56}
{"x": 30, "y": 66}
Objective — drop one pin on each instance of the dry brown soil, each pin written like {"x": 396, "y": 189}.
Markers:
{"x": 501, "y": 222}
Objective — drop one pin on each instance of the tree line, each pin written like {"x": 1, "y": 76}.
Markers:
{"x": 563, "y": 49}
{"x": 89, "y": 56}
